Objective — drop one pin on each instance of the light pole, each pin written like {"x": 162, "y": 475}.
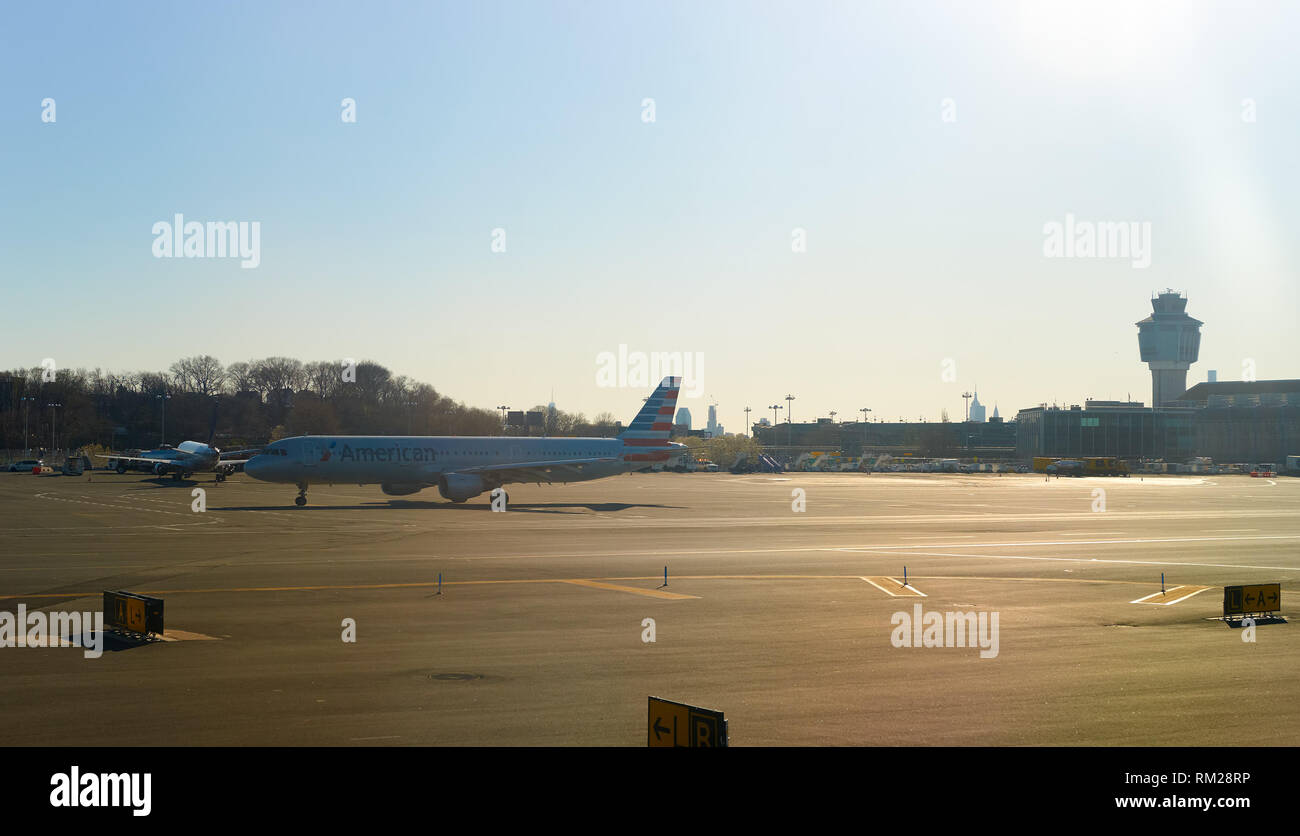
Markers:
{"x": 966, "y": 396}
{"x": 833, "y": 414}
{"x": 54, "y": 417}
{"x": 789, "y": 425}
{"x": 162, "y": 431}
{"x": 27, "y": 404}
{"x": 503, "y": 414}
{"x": 864, "y": 410}
{"x": 750, "y": 429}
{"x": 774, "y": 407}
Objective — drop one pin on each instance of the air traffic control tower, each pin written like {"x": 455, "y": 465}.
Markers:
{"x": 1170, "y": 342}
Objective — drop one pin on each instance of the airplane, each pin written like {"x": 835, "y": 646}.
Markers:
{"x": 183, "y": 460}
{"x": 186, "y": 458}
{"x": 462, "y": 467}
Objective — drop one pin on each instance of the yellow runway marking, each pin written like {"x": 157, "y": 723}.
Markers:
{"x": 653, "y": 593}
{"x": 186, "y": 636}
{"x": 894, "y": 588}
{"x": 894, "y": 583}
{"x": 1171, "y": 596}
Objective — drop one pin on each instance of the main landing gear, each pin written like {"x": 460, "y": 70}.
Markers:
{"x": 302, "y": 495}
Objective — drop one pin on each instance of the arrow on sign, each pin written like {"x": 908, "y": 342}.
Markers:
{"x": 659, "y": 731}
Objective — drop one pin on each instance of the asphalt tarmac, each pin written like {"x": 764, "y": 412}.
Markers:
{"x": 781, "y": 618}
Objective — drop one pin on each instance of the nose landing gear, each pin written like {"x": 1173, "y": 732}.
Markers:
{"x": 302, "y": 495}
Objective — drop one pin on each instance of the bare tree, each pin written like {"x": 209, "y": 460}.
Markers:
{"x": 202, "y": 374}
{"x": 275, "y": 375}
{"x": 240, "y": 377}
{"x": 324, "y": 377}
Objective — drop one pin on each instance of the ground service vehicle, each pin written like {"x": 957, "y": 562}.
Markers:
{"x": 74, "y": 465}
{"x": 1104, "y": 466}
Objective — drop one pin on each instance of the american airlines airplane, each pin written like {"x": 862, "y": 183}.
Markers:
{"x": 463, "y": 467}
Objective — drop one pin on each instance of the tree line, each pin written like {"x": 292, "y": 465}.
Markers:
{"x": 255, "y": 402}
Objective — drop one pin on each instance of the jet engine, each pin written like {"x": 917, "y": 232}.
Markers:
{"x": 400, "y": 489}
{"x": 459, "y": 487}
{"x": 159, "y": 469}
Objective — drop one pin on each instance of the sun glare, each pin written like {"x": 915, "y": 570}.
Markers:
{"x": 1141, "y": 39}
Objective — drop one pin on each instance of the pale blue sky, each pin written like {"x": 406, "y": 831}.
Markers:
{"x": 924, "y": 236}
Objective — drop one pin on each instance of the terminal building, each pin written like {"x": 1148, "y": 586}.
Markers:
{"x": 992, "y": 440}
{"x": 1230, "y": 422}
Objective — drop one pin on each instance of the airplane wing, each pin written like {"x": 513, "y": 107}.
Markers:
{"x": 534, "y": 471}
{"x": 137, "y": 459}
{"x": 253, "y": 450}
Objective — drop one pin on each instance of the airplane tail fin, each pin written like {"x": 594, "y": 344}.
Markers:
{"x": 212, "y": 423}
{"x": 652, "y": 426}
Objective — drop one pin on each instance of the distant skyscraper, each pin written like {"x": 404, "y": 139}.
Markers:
{"x": 995, "y": 411}
{"x": 683, "y": 418}
{"x": 1169, "y": 341}
{"x": 977, "y": 409}
{"x": 713, "y": 427}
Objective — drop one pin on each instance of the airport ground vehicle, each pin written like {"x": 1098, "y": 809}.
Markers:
{"x": 1104, "y": 466}
{"x": 1266, "y": 470}
{"x": 76, "y": 465}
{"x": 25, "y": 466}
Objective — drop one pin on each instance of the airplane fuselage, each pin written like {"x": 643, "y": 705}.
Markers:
{"x": 193, "y": 456}
{"x": 370, "y": 460}
{"x": 463, "y": 467}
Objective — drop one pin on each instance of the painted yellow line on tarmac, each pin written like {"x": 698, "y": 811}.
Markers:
{"x": 894, "y": 587}
{"x": 186, "y": 636}
{"x": 320, "y": 588}
{"x": 909, "y": 591}
{"x": 1168, "y": 597}
{"x": 652, "y": 593}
